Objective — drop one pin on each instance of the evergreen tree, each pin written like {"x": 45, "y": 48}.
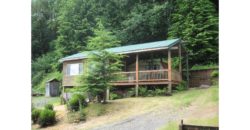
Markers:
{"x": 196, "y": 22}
{"x": 101, "y": 64}
{"x": 75, "y": 24}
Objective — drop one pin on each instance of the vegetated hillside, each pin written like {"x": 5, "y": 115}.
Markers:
{"x": 195, "y": 106}
{"x": 63, "y": 27}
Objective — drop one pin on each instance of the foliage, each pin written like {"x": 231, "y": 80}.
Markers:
{"x": 35, "y": 115}
{"x": 46, "y": 117}
{"x": 196, "y": 22}
{"x": 146, "y": 22}
{"x": 75, "y": 23}
{"x": 43, "y": 69}
{"x": 101, "y": 65}
{"x": 43, "y": 33}
{"x": 64, "y": 27}
{"x": 142, "y": 91}
{"x": 114, "y": 96}
{"x": 76, "y": 117}
{"x": 76, "y": 102}
{"x": 175, "y": 62}
{"x": 102, "y": 39}
{"x": 40, "y": 87}
{"x": 182, "y": 86}
{"x": 131, "y": 92}
{"x": 207, "y": 66}
{"x": 160, "y": 92}
{"x": 215, "y": 74}
{"x": 49, "y": 106}
{"x": 150, "y": 93}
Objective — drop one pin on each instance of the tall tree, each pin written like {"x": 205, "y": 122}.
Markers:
{"x": 196, "y": 22}
{"x": 43, "y": 32}
{"x": 75, "y": 23}
{"x": 146, "y": 22}
{"x": 101, "y": 64}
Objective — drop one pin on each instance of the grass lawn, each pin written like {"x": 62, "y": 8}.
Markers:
{"x": 40, "y": 101}
{"x": 206, "y": 102}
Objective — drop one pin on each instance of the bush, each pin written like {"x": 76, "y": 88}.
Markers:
{"x": 49, "y": 106}
{"x": 35, "y": 115}
{"x": 160, "y": 92}
{"x": 182, "y": 86}
{"x": 131, "y": 92}
{"x": 76, "y": 117}
{"x": 114, "y": 96}
{"x": 150, "y": 93}
{"x": 46, "y": 117}
{"x": 215, "y": 74}
{"x": 142, "y": 91}
{"x": 76, "y": 101}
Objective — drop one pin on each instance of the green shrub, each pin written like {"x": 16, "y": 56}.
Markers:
{"x": 114, "y": 96}
{"x": 49, "y": 106}
{"x": 131, "y": 92}
{"x": 215, "y": 74}
{"x": 150, "y": 93}
{"x": 82, "y": 115}
{"x": 142, "y": 91}
{"x": 181, "y": 86}
{"x": 46, "y": 117}
{"x": 76, "y": 117}
{"x": 76, "y": 101}
{"x": 35, "y": 115}
{"x": 160, "y": 92}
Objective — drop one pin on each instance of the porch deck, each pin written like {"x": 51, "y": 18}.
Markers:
{"x": 147, "y": 77}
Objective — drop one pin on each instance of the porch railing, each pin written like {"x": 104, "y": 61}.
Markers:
{"x": 151, "y": 75}
{"x": 147, "y": 75}
{"x": 126, "y": 76}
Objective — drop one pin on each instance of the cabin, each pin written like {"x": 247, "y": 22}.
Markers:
{"x": 144, "y": 64}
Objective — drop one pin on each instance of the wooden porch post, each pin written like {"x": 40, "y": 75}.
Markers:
{"x": 107, "y": 94}
{"x": 169, "y": 72}
{"x": 137, "y": 74}
{"x": 180, "y": 64}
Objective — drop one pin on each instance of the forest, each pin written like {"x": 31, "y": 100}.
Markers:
{"x": 64, "y": 27}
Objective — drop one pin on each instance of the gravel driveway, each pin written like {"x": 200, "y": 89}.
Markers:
{"x": 149, "y": 121}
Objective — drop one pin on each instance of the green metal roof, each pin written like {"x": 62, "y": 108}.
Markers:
{"x": 142, "y": 47}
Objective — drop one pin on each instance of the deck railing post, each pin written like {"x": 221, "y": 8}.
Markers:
{"x": 180, "y": 64}
{"x": 169, "y": 72}
{"x": 137, "y": 74}
{"x": 181, "y": 125}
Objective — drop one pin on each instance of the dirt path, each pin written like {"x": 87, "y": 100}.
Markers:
{"x": 156, "y": 119}
{"x": 149, "y": 121}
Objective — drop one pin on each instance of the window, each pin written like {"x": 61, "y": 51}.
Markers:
{"x": 74, "y": 69}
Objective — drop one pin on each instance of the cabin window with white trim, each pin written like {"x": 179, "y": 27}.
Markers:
{"x": 74, "y": 69}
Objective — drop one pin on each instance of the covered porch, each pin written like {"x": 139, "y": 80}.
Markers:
{"x": 151, "y": 67}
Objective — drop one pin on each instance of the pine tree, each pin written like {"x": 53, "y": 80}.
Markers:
{"x": 101, "y": 64}
{"x": 196, "y": 22}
